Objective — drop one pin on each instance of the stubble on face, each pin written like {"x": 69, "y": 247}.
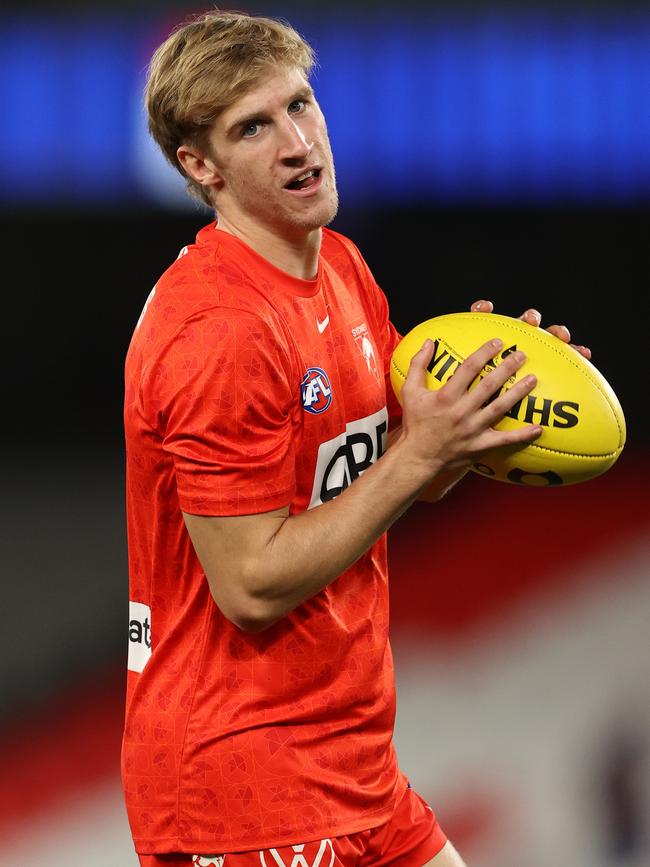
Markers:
{"x": 253, "y": 194}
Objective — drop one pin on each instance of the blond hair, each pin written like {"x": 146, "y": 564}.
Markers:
{"x": 206, "y": 63}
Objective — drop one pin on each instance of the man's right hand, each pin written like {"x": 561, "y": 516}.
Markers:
{"x": 448, "y": 428}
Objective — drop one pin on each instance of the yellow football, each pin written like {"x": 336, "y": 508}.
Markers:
{"x": 581, "y": 416}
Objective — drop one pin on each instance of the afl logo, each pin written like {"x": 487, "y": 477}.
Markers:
{"x": 315, "y": 390}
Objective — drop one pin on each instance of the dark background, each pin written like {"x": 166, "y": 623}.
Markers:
{"x": 81, "y": 279}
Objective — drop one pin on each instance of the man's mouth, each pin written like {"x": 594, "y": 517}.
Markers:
{"x": 304, "y": 181}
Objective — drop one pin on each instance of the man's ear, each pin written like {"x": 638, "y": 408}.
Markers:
{"x": 199, "y": 167}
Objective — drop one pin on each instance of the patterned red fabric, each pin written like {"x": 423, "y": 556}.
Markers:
{"x": 411, "y": 838}
{"x": 246, "y": 390}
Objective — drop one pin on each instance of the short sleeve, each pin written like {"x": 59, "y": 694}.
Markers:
{"x": 389, "y": 337}
{"x": 225, "y": 396}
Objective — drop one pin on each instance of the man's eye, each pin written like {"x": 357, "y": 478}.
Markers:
{"x": 297, "y": 106}
{"x": 250, "y": 130}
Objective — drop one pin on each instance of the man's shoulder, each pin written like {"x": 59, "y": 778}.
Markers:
{"x": 342, "y": 253}
{"x": 208, "y": 276}
{"x": 337, "y": 242}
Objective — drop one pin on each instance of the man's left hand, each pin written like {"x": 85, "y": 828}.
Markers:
{"x": 534, "y": 317}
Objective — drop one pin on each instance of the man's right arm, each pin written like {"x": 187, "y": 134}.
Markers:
{"x": 260, "y": 567}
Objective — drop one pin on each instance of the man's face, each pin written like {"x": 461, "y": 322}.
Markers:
{"x": 274, "y": 159}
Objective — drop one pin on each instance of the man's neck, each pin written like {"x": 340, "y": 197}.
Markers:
{"x": 297, "y": 255}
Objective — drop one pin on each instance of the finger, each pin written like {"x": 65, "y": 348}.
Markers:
{"x": 467, "y": 372}
{"x": 560, "y": 331}
{"x": 583, "y": 350}
{"x": 563, "y": 334}
{"x": 494, "y": 411}
{"x": 482, "y": 306}
{"x": 488, "y": 389}
{"x": 492, "y": 439}
{"x": 531, "y": 316}
{"x": 497, "y": 408}
{"x": 418, "y": 364}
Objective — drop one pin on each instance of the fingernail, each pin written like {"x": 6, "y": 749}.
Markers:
{"x": 497, "y": 343}
{"x": 478, "y": 305}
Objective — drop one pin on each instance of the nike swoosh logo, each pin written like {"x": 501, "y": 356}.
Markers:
{"x": 323, "y": 325}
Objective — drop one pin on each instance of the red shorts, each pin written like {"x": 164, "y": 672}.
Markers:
{"x": 409, "y": 839}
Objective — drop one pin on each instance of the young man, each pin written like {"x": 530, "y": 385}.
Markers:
{"x": 258, "y": 410}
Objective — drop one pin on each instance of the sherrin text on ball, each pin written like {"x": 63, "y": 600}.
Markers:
{"x": 583, "y": 426}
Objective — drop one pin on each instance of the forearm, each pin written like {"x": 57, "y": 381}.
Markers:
{"x": 321, "y": 543}
{"x": 262, "y": 567}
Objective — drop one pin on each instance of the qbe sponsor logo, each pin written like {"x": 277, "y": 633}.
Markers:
{"x": 139, "y": 636}
{"x": 342, "y": 459}
{"x": 208, "y": 860}
{"x": 302, "y": 855}
{"x": 315, "y": 390}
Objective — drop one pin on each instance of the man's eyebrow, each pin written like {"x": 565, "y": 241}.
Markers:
{"x": 251, "y": 116}
{"x": 305, "y": 92}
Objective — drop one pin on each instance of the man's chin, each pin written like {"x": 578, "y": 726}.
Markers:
{"x": 332, "y": 217}
{"x": 311, "y": 221}
{"x": 332, "y": 212}
{"x": 322, "y": 216}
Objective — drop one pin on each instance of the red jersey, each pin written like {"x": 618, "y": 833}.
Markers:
{"x": 247, "y": 390}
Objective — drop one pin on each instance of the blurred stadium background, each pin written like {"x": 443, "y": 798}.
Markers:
{"x": 483, "y": 150}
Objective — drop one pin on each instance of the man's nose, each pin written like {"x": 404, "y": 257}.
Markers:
{"x": 295, "y": 145}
